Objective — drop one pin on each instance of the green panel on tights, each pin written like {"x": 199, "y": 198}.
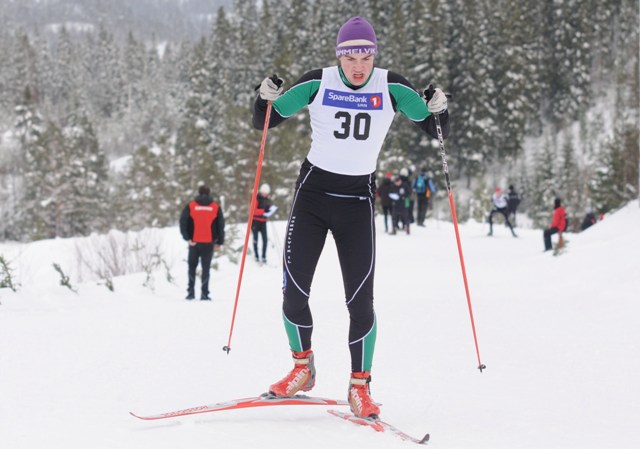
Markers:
{"x": 292, "y": 333}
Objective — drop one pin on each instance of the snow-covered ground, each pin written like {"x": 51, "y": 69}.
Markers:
{"x": 560, "y": 337}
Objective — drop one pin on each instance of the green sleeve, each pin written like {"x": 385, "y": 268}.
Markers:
{"x": 406, "y": 99}
{"x": 409, "y": 102}
{"x": 299, "y": 95}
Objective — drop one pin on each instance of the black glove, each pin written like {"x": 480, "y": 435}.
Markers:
{"x": 428, "y": 92}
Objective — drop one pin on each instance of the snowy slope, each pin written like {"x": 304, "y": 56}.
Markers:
{"x": 559, "y": 335}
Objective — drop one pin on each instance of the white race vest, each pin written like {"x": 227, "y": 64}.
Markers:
{"x": 349, "y": 126}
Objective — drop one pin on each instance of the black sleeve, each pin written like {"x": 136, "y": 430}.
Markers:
{"x": 218, "y": 228}
{"x": 429, "y": 125}
{"x": 260, "y": 113}
{"x": 185, "y": 217}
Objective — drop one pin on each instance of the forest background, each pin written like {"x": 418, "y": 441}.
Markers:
{"x": 112, "y": 113}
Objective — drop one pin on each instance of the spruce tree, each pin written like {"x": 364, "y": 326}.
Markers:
{"x": 45, "y": 186}
{"x": 616, "y": 176}
{"x": 469, "y": 66}
{"x": 515, "y": 72}
{"x": 567, "y": 59}
{"x": 194, "y": 140}
{"x": 146, "y": 194}
{"x": 104, "y": 75}
{"x": 63, "y": 75}
{"x": 87, "y": 208}
{"x": 570, "y": 182}
{"x": 543, "y": 189}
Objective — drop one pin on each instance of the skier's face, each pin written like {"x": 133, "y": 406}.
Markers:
{"x": 357, "y": 68}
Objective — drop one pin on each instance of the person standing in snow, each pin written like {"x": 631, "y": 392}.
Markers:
{"x": 499, "y": 203}
{"x": 385, "y": 201}
{"x": 351, "y": 108}
{"x": 589, "y": 219}
{"x": 558, "y": 225}
{"x": 261, "y": 213}
{"x": 399, "y": 195}
{"x": 424, "y": 188}
{"x": 202, "y": 225}
{"x": 405, "y": 174}
{"x": 513, "y": 201}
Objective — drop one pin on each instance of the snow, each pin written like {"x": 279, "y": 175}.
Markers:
{"x": 80, "y": 27}
{"x": 119, "y": 165}
{"x": 559, "y": 336}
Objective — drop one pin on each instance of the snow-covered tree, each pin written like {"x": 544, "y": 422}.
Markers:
{"x": 87, "y": 208}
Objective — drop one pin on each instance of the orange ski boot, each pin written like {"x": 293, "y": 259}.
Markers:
{"x": 359, "y": 398}
{"x": 301, "y": 378}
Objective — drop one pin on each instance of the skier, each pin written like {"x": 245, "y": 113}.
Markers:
{"x": 499, "y": 206}
{"x": 202, "y": 225}
{"x": 558, "y": 225}
{"x": 351, "y": 108}
{"x": 263, "y": 210}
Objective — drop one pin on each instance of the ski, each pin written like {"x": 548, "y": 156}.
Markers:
{"x": 264, "y": 400}
{"x": 379, "y": 426}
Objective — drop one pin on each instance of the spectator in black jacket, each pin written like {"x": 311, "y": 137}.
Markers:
{"x": 513, "y": 201}
{"x": 589, "y": 219}
{"x": 399, "y": 194}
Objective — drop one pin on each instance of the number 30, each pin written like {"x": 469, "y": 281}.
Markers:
{"x": 361, "y": 122}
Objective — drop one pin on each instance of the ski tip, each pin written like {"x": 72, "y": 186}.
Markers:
{"x": 424, "y": 440}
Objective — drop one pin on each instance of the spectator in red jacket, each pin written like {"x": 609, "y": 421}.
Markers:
{"x": 263, "y": 210}
{"x": 558, "y": 225}
{"x": 202, "y": 225}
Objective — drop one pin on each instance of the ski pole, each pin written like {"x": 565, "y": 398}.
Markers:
{"x": 252, "y": 206}
{"x": 445, "y": 168}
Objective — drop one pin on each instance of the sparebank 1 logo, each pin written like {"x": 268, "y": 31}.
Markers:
{"x": 352, "y": 100}
{"x": 375, "y": 101}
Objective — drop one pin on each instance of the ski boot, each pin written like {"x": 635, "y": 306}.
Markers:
{"x": 359, "y": 397}
{"x": 301, "y": 378}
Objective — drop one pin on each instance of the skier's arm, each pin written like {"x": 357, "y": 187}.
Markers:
{"x": 297, "y": 97}
{"x": 408, "y": 101}
{"x": 270, "y": 211}
{"x": 184, "y": 220}
{"x": 219, "y": 228}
